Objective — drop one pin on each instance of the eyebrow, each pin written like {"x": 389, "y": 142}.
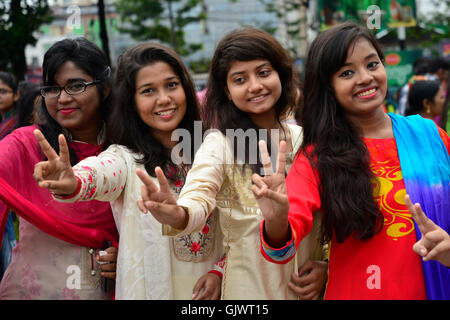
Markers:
{"x": 241, "y": 72}
{"x": 70, "y": 81}
{"x": 151, "y": 83}
{"x": 366, "y": 58}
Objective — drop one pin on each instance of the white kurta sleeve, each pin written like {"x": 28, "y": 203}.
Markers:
{"x": 100, "y": 178}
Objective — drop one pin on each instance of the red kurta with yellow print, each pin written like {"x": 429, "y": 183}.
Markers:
{"x": 382, "y": 267}
{"x": 385, "y": 266}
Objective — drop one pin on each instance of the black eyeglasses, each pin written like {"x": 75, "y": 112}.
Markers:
{"x": 4, "y": 91}
{"x": 72, "y": 88}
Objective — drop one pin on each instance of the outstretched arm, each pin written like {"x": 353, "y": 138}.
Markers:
{"x": 435, "y": 241}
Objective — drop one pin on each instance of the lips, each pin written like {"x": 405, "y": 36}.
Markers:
{"x": 67, "y": 110}
{"x": 258, "y": 98}
{"x": 166, "y": 114}
{"x": 367, "y": 93}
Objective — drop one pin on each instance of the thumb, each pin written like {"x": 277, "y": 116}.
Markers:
{"x": 305, "y": 268}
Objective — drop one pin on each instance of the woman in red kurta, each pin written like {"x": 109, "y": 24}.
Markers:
{"x": 349, "y": 170}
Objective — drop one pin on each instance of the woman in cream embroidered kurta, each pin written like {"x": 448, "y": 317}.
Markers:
{"x": 214, "y": 181}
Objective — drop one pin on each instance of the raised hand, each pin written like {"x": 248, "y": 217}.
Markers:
{"x": 56, "y": 173}
{"x": 435, "y": 242}
{"x": 270, "y": 193}
{"x": 160, "y": 201}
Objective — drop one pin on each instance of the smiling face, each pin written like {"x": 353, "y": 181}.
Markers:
{"x": 74, "y": 112}
{"x": 360, "y": 85}
{"x": 254, "y": 87}
{"x": 160, "y": 99}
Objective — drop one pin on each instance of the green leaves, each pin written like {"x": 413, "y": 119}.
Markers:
{"x": 162, "y": 20}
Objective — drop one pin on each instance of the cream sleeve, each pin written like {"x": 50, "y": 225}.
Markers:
{"x": 203, "y": 182}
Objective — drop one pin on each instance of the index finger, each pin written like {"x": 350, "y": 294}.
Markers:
{"x": 46, "y": 148}
{"x": 265, "y": 158}
{"x": 148, "y": 182}
{"x": 163, "y": 184}
{"x": 425, "y": 225}
{"x": 281, "y": 161}
{"x": 64, "y": 154}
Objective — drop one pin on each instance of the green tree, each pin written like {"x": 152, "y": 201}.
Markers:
{"x": 435, "y": 26}
{"x": 19, "y": 20}
{"x": 163, "y": 20}
{"x": 294, "y": 26}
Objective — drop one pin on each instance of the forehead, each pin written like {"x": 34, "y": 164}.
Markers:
{"x": 4, "y": 85}
{"x": 152, "y": 73}
{"x": 245, "y": 66}
{"x": 70, "y": 71}
{"x": 360, "y": 49}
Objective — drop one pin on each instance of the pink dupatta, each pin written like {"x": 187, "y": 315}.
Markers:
{"x": 89, "y": 224}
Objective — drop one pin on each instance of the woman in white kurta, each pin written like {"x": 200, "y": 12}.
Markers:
{"x": 250, "y": 88}
{"x": 149, "y": 266}
{"x": 154, "y": 97}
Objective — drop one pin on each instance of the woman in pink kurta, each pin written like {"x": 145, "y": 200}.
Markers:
{"x": 55, "y": 255}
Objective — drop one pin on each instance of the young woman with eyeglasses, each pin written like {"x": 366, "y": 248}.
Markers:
{"x": 55, "y": 257}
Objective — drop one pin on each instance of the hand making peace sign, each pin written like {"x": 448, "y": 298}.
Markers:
{"x": 435, "y": 242}
{"x": 56, "y": 173}
{"x": 270, "y": 193}
{"x": 160, "y": 201}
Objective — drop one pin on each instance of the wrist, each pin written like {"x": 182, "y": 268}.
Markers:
{"x": 183, "y": 218}
{"x": 276, "y": 233}
{"x": 71, "y": 194}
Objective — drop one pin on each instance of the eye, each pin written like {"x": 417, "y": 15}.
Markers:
{"x": 76, "y": 87}
{"x": 373, "y": 65}
{"x": 51, "y": 90}
{"x": 173, "y": 84}
{"x": 239, "y": 80}
{"x": 346, "y": 74}
{"x": 147, "y": 91}
{"x": 265, "y": 73}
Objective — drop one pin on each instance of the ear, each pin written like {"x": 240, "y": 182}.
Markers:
{"x": 16, "y": 96}
{"x": 427, "y": 104}
{"x": 107, "y": 90}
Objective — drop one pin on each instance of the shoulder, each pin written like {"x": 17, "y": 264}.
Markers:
{"x": 24, "y": 134}
{"x": 296, "y": 135}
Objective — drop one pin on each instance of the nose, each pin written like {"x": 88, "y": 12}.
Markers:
{"x": 64, "y": 97}
{"x": 365, "y": 76}
{"x": 254, "y": 85}
{"x": 163, "y": 98}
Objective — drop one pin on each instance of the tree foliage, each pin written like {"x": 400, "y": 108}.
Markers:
{"x": 19, "y": 20}
{"x": 163, "y": 20}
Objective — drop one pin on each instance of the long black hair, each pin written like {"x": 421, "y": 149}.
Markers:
{"x": 90, "y": 58}
{"x": 339, "y": 153}
{"x": 246, "y": 44}
{"x": 125, "y": 125}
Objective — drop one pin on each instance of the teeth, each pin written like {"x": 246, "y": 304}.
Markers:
{"x": 366, "y": 93}
{"x": 165, "y": 113}
{"x": 256, "y": 98}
